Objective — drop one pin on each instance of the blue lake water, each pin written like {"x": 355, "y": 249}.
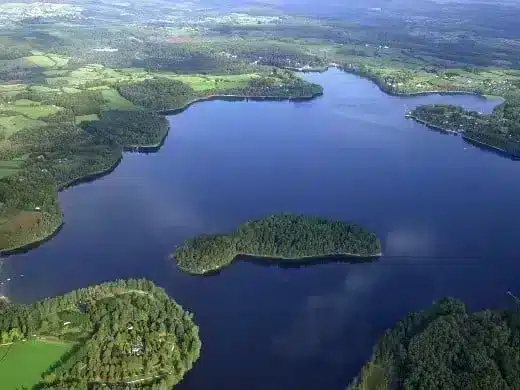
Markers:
{"x": 446, "y": 212}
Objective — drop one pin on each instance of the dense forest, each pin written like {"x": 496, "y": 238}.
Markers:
{"x": 129, "y": 128}
{"x": 158, "y": 94}
{"x": 445, "y": 347}
{"x": 287, "y": 236}
{"x": 123, "y": 330}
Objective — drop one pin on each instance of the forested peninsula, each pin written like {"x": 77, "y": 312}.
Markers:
{"x": 110, "y": 335}
{"x": 276, "y": 237}
{"x": 445, "y": 347}
{"x": 496, "y": 131}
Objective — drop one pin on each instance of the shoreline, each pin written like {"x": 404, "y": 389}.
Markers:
{"x": 233, "y": 97}
{"x": 384, "y": 88}
{"x": 465, "y": 137}
{"x": 281, "y": 260}
{"x": 62, "y": 187}
{"x": 91, "y": 176}
{"x": 434, "y": 126}
{"x": 489, "y": 147}
{"x": 139, "y": 149}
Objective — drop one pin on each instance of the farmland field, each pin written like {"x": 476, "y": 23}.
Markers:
{"x": 30, "y": 109}
{"x": 22, "y": 364}
{"x": 202, "y": 83}
{"x": 40, "y": 61}
{"x": 12, "y": 124}
{"x": 86, "y": 118}
{"x": 10, "y": 167}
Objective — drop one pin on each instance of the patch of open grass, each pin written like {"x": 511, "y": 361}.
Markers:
{"x": 56, "y": 72}
{"x": 86, "y": 118}
{"x": 11, "y": 87}
{"x": 44, "y": 89}
{"x": 114, "y": 101}
{"x": 70, "y": 90}
{"x": 14, "y": 123}
{"x": 10, "y": 167}
{"x": 99, "y": 88}
{"x": 202, "y": 83}
{"x": 24, "y": 363}
{"x": 59, "y": 61}
{"x": 30, "y": 109}
{"x": 9, "y": 91}
{"x": 41, "y": 61}
{"x": 96, "y": 74}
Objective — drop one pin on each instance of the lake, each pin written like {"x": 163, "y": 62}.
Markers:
{"x": 446, "y": 213}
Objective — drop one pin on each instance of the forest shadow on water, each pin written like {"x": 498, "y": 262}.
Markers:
{"x": 265, "y": 261}
{"x": 307, "y": 262}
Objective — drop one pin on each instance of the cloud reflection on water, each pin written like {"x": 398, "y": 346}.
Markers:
{"x": 324, "y": 317}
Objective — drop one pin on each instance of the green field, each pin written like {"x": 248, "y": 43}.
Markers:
{"x": 86, "y": 118}
{"x": 202, "y": 83}
{"x": 10, "y": 167}
{"x": 30, "y": 109}
{"x": 70, "y": 90}
{"x": 14, "y": 123}
{"x": 92, "y": 74}
{"x": 39, "y": 61}
{"x": 114, "y": 101}
{"x": 22, "y": 364}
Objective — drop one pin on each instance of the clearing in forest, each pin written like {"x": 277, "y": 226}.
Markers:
{"x": 22, "y": 364}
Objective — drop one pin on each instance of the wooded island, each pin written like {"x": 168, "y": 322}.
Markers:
{"x": 280, "y": 236}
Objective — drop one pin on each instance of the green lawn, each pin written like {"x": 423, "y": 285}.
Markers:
{"x": 25, "y": 362}
{"x": 70, "y": 90}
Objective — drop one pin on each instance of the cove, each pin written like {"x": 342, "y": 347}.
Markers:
{"x": 445, "y": 211}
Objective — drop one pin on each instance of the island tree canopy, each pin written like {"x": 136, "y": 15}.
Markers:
{"x": 287, "y": 236}
{"x": 446, "y": 347}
